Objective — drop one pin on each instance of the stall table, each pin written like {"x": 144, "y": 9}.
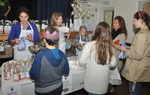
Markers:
{"x": 71, "y": 83}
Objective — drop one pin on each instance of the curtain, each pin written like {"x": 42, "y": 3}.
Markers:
{"x": 16, "y": 4}
{"x": 41, "y": 9}
{"x": 47, "y": 7}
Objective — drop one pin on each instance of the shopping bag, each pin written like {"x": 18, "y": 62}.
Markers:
{"x": 122, "y": 54}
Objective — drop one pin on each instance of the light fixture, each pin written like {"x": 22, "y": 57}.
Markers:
{"x": 82, "y": 9}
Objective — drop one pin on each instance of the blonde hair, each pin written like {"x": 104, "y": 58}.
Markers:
{"x": 82, "y": 27}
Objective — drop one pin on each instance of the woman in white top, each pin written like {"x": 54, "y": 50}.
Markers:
{"x": 56, "y": 22}
{"x": 98, "y": 56}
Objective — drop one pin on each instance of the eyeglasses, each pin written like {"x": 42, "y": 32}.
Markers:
{"x": 139, "y": 14}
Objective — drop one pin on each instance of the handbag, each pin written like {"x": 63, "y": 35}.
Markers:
{"x": 22, "y": 44}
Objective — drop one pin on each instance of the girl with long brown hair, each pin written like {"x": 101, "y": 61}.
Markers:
{"x": 136, "y": 69}
{"x": 119, "y": 34}
{"x": 98, "y": 56}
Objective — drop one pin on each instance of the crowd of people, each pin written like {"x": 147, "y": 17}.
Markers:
{"x": 99, "y": 54}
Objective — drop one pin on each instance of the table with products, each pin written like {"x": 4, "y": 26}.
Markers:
{"x": 24, "y": 86}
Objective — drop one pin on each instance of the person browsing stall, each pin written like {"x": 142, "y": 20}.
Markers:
{"x": 49, "y": 65}
{"x": 98, "y": 56}
{"x": 119, "y": 34}
{"x": 137, "y": 65}
{"x": 23, "y": 34}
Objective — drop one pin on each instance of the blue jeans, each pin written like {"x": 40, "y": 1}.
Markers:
{"x": 138, "y": 88}
{"x": 95, "y": 94}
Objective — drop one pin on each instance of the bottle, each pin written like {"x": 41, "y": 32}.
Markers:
{"x": 17, "y": 64}
{"x": 27, "y": 69}
{"x": 14, "y": 22}
{"x": 16, "y": 74}
{"x": 7, "y": 26}
{"x": 71, "y": 25}
{"x": 2, "y": 47}
{"x": 44, "y": 25}
{"x": 22, "y": 73}
{"x": 1, "y": 26}
{"x": 37, "y": 22}
{"x": 12, "y": 67}
{"x": 6, "y": 71}
{"x": 67, "y": 22}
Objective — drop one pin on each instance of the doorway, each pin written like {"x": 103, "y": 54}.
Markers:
{"x": 106, "y": 14}
{"x": 109, "y": 16}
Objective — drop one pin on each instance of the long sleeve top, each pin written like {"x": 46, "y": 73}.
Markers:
{"x": 16, "y": 30}
{"x": 97, "y": 76}
{"x": 47, "y": 69}
{"x": 62, "y": 43}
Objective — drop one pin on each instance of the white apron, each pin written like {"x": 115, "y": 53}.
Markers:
{"x": 79, "y": 52}
{"x": 25, "y": 53}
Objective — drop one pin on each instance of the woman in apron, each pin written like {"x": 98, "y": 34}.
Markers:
{"x": 56, "y": 22}
{"x": 26, "y": 30}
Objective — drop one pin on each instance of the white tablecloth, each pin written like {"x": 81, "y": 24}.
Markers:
{"x": 71, "y": 83}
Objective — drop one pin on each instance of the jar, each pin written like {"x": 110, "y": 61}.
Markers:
{"x": 6, "y": 73}
{"x": 7, "y": 26}
{"x": 1, "y": 27}
{"x": 22, "y": 73}
{"x": 16, "y": 74}
{"x": 2, "y": 47}
{"x": 13, "y": 22}
{"x": 12, "y": 67}
{"x": 37, "y": 22}
{"x": 27, "y": 69}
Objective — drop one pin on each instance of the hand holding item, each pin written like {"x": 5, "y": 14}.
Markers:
{"x": 78, "y": 43}
{"x": 22, "y": 45}
{"x": 29, "y": 37}
{"x": 123, "y": 48}
{"x": 117, "y": 42}
{"x": 17, "y": 41}
{"x": 66, "y": 35}
{"x": 122, "y": 53}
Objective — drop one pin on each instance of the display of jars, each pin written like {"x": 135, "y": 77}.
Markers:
{"x": 7, "y": 26}
{"x": 13, "y": 22}
{"x": 17, "y": 69}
